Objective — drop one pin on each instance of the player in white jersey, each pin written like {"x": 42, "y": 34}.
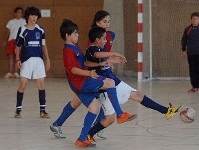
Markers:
{"x": 9, "y": 40}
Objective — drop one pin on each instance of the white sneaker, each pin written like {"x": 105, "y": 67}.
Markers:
{"x": 8, "y": 75}
{"x": 16, "y": 75}
{"x": 57, "y": 131}
{"x": 102, "y": 134}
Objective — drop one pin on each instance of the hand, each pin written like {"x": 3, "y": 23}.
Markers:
{"x": 111, "y": 66}
{"x": 184, "y": 53}
{"x": 121, "y": 57}
{"x": 114, "y": 60}
{"x": 104, "y": 63}
{"x": 18, "y": 64}
{"x": 93, "y": 74}
{"x": 47, "y": 65}
{"x": 4, "y": 44}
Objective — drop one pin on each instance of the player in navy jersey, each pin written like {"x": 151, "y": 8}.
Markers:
{"x": 102, "y": 19}
{"x": 31, "y": 50}
{"x": 84, "y": 83}
{"x": 95, "y": 56}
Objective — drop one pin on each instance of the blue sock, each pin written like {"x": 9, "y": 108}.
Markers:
{"x": 100, "y": 116}
{"x": 88, "y": 121}
{"x": 112, "y": 94}
{"x": 149, "y": 103}
{"x": 67, "y": 111}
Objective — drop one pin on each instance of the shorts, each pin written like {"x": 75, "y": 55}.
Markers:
{"x": 123, "y": 94}
{"x": 33, "y": 68}
{"x": 106, "y": 105}
{"x": 11, "y": 47}
{"x": 90, "y": 90}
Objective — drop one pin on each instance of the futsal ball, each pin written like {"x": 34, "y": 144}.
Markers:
{"x": 187, "y": 115}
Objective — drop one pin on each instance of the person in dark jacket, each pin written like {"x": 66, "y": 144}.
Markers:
{"x": 190, "y": 48}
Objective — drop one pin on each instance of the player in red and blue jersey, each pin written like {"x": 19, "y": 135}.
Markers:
{"x": 30, "y": 49}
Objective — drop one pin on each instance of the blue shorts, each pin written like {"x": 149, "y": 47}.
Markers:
{"x": 90, "y": 90}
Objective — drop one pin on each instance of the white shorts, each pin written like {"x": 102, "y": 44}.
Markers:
{"x": 123, "y": 94}
{"x": 33, "y": 68}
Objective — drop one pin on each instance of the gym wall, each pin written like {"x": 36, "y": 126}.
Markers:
{"x": 79, "y": 11}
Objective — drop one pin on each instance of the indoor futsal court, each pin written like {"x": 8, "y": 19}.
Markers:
{"x": 148, "y": 34}
{"x": 150, "y": 131}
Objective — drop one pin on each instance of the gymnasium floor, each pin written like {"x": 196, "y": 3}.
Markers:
{"x": 150, "y": 131}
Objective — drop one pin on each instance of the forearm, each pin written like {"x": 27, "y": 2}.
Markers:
{"x": 17, "y": 51}
{"x": 91, "y": 64}
{"x": 45, "y": 52}
{"x": 80, "y": 72}
{"x": 6, "y": 35}
{"x": 104, "y": 54}
{"x": 184, "y": 40}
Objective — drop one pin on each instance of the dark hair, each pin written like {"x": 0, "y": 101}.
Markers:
{"x": 194, "y": 14}
{"x": 18, "y": 8}
{"x": 32, "y": 11}
{"x": 96, "y": 32}
{"x": 101, "y": 14}
{"x": 67, "y": 27}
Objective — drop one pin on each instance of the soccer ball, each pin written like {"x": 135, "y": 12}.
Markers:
{"x": 187, "y": 115}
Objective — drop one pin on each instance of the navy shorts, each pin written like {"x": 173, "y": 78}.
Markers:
{"x": 90, "y": 90}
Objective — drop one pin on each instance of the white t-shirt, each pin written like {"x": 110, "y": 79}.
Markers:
{"x": 14, "y": 25}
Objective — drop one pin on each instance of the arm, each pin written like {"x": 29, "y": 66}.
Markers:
{"x": 109, "y": 54}
{"x": 81, "y": 72}
{"x": 94, "y": 64}
{"x": 17, "y": 52}
{"x": 184, "y": 42}
{"x": 6, "y": 37}
{"x": 45, "y": 52}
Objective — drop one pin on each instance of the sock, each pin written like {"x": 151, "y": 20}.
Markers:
{"x": 112, "y": 94}
{"x": 67, "y": 111}
{"x": 100, "y": 116}
{"x": 149, "y": 103}
{"x": 19, "y": 100}
{"x": 96, "y": 128}
{"x": 42, "y": 99}
{"x": 88, "y": 121}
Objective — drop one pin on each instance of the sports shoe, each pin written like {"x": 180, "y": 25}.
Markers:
{"x": 18, "y": 113}
{"x": 57, "y": 131}
{"x": 91, "y": 139}
{"x": 192, "y": 90}
{"x": 85, "y": 143}
{"x": 102, "y": 134}
{"x": 8, "y": 75}
{"x": 44, "y": 114}
{"x": 16, "y": 75}
{"x": 172, "y": 111}
{"x": 126, "y": 117}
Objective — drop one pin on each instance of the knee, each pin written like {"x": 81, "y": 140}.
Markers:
{"x": 94, "y": 107}
{"x": 137, "y": 96}
{"x": 40, "y": 85}
{"x": 75, "y": 103}
{"x": 112, "y": 118}
{"x": 109, "y": 83}
{"x": 22, "y": 86}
